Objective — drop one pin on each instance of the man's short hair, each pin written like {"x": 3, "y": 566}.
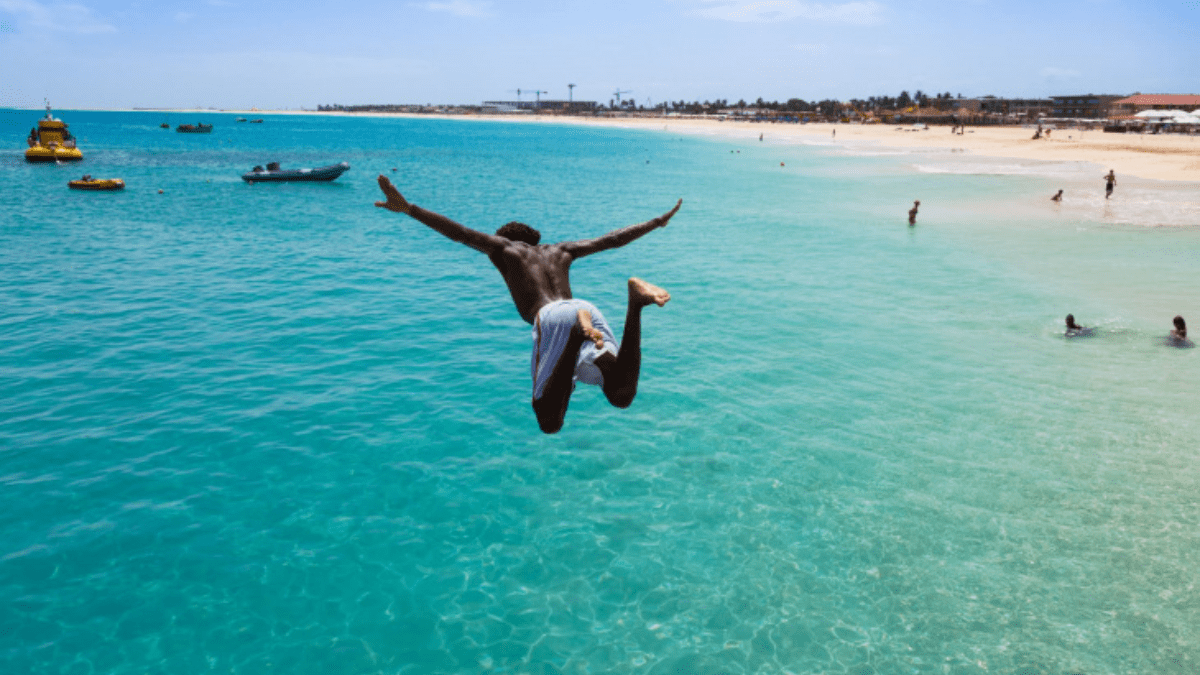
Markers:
{"x": 520, "y": 232}
{"x": 1178, "y": 321}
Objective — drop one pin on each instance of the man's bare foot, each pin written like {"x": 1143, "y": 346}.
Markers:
{"x": 644, "y": 293}
{"x": 589, "y": 331}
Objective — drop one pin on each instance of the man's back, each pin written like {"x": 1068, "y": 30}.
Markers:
{"x": 535, "y": 275}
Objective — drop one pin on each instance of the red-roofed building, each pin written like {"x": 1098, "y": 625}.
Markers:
{"x": 1139, "y": 102}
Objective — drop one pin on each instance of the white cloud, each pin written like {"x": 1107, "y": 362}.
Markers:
{"x": 468, "y": 8}
{"x": 770, "y": 11}
{"x": 1052, "y": 73}
{"x": 64, "y": 17}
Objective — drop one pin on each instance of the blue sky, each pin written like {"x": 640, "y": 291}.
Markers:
{"x": 301, "y": 53}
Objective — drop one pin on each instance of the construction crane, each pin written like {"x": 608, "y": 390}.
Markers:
{"x": 618, "y": 93}
{"x": 536, "y": 92}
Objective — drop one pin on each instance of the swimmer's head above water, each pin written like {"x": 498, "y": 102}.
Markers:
{"x": 1071, "y": 325}
{"x": 1180, "y": 327}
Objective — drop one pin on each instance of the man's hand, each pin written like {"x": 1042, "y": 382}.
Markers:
{"x": 667, "y": 216}
{"x": 395, "y": 201}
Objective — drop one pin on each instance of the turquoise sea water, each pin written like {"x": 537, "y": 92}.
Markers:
{"x": 273, "y": 429}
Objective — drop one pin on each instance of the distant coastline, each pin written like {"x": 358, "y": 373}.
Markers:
{"x": 1166, "y": 157}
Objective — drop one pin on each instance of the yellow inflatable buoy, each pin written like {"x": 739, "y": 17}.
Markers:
{"x": 89, "y": 183}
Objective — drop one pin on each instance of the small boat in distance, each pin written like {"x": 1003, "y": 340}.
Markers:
{"x": 241, "y": 119}
{"x": 51, "y": 141}
{"x": 89, "y": 183}
{"x": 194, "y": 128}
{"x": 273, "y": 174}
{"x": 258, "y": 121}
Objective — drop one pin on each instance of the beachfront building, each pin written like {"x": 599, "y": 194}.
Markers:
{"x": 994, "y": 107}
{"x": 1137, "y": 103}
{"x": 1015, "y": 107}
{"x": 547, "y": 106}
{"x": 1082, "y": 106}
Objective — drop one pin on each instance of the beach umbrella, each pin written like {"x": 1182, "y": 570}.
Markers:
{"x": 1153, "y": 114}
{"x": 1176, "y": 113}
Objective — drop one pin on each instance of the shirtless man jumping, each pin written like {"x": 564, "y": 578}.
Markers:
{"x": 571, "y": 339}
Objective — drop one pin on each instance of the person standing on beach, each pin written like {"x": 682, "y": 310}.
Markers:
{"x": 571, "y": 339}
{"x": 1110, "y": 181}
{"x": 912, "y": 213}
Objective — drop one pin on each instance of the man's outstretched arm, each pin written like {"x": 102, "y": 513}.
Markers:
{"x": 618, "y": 238}
{"x": 480, "y": 241}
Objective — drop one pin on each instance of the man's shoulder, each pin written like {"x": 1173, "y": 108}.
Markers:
{"x": 520, "y": 252}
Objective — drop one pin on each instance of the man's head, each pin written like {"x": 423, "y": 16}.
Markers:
{"x": 1071, "y": 321}
{"x": 1180, "y": 325}
{"x": 520, "y": 232}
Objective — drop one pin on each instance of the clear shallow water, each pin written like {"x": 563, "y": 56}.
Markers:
{"x": 258, "y": 429}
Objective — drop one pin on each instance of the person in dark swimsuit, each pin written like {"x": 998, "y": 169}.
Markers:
{"x": 571, "y": 338}
{"x": 1178, "y": 337}
{"x": 1075, "y": 330}
{"x": 1110, "y": 181}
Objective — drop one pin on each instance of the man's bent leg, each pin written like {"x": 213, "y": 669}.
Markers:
{"x": 551, "y": 408}
{"x": 621, "y": 372}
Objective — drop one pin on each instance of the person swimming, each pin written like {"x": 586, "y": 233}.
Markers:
{"x": 1075, "y": 330}
{"x": 1178, "y": 337}
{"x": 1057, "y": 197}
{"x": 912, "y": 213}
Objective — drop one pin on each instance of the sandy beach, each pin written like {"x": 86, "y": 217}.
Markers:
{"x": 1172, "y": 157}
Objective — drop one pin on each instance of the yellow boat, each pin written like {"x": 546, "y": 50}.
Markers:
{"x": 89, "y": 183}
{"x": 51, "y": 141}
